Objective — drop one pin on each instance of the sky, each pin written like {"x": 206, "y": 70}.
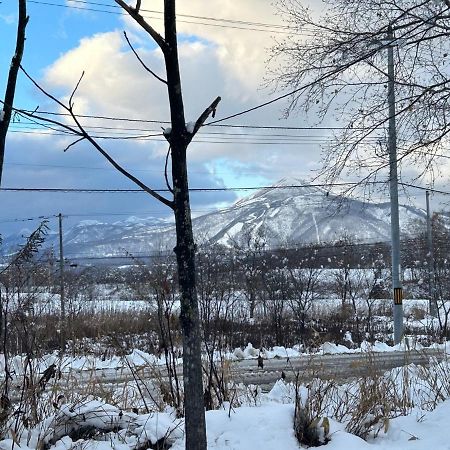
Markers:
{"x": 218, "y": 56}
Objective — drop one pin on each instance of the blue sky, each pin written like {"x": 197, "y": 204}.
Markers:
{"x": 215, "y": 60}
{"x": 51, "y": 31}
{"x": 38, "y": 161}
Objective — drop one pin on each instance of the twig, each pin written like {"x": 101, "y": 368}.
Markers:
{"x": 74, "y": 143}
{"x": 75, "y": 90}
{"x": 137, "y": 380}
{"x": 142, "y": 62}
{"x": 165, "y": 169}
{"x": 134, "y": 13}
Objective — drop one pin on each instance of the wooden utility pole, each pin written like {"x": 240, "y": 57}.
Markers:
{"x": 62, "y": 325}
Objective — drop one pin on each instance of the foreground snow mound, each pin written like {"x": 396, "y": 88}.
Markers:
{"x": 413, "y": 432}
{"x": 266, "y": 427}
{"x": 97, "y": 425}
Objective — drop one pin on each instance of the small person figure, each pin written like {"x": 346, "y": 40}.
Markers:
{"x": 260, "y": 362}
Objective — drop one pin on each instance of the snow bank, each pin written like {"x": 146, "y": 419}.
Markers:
{"x": 138, "y": 358}
{"x": 266, "y": 427}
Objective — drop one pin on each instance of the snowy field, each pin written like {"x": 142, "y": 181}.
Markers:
{"x": 108, "y": 301}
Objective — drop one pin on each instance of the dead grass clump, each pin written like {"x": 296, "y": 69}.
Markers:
{"x": 312, "y": 402}
{"x": 309, "y": 430}
{"x": 378, "y": 398}
{"x": 372, "y": 408}
{"x": 434, "y": 383}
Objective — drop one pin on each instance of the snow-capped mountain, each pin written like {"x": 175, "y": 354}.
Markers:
{"x": 286, "y": 215}
{"x": 280, "y": 215}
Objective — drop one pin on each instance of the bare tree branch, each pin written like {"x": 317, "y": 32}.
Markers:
{"x": 75, "y": 90}
{"x": 74, "y": 143}
{"x": 47, "y": 94}
{"x": 341, "y": 70}
{"x": 210, "y": 110}
{"x": 142, "y": 62}
{"x": 84, "y": 135}
{"x": 166, "y": 164}
{"x": 5, "y": 117}
{"x": 134, "y": 13}
{"x": 124, "y": 172}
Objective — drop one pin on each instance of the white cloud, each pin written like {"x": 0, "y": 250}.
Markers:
{"x": 214, "y": 61}
{"x": 240, "y": 47}
{"x": 113, "y": 80}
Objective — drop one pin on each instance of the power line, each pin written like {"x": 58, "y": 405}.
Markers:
{"x": 229, "y": 22}
{"x": 27, "y": 219}
{"x": 422, "y": 188}
{"x": 165, "y": 122}
{"x": 202, "y": 132}
{"x": 215, "y": 19}
{"x": 32, "y": 126}
{"x": 218, "y": 189}
{"x": 246, "y": 25}
{"x": 222, "y": 189}
{"x": 151, "y": 212}
{"x": 134, "y": 169}
{"x": 416, "y": 242}
{"x": 221, "y": 141}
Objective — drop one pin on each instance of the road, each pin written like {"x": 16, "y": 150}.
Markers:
{"x": 341, "y": 367}
{"x": 338, "y": 366}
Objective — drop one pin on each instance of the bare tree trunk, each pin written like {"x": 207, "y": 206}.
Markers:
{"x": 195, "y": 426}
{"x": 12, "y": 80}
{"x": 192, "y": 364}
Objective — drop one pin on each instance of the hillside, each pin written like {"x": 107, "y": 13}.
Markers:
{"x": 282, "y": 214}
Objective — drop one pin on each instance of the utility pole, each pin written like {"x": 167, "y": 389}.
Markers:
{"x": 393, "y": 182}
{"x": 431, "y": 275}
{"x": 61, "y": 287}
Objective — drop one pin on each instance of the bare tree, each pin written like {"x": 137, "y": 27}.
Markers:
{"x": 5, "y": 114}
{"x": 14, "y": 308}
{"x": 179, "y": 135}
{"x": 277, "y": 285}
{"x": 305, "y": 285}
{"x": 249, "y": 252}
{"x": 217, "y": 301}
{"x": 441, "y": 270}
{"x": 336, "y": 61}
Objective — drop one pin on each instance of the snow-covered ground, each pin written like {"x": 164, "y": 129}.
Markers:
{"x": 261, "y": 421}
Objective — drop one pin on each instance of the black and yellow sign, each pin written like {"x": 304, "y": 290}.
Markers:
{"x": 398, "y": 296}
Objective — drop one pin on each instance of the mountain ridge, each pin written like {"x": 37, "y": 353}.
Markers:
{"x": 291, "y": 212}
